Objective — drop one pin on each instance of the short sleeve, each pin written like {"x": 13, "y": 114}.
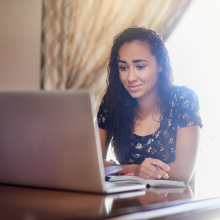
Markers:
{"x": 101, "y": 115}
{"x": 188, "y": 109}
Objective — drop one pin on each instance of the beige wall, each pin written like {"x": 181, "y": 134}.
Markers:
{"x": 20, "y": 35}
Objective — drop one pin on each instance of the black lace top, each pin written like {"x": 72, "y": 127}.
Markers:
{"x": 184, "y": 112}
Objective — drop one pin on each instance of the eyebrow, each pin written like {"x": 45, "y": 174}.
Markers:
{"x": 121, "y": 61}
{"x": 134, "y": 61}
{"x": 137, "y": 61}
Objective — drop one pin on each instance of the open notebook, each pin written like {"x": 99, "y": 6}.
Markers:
{"x": 51, "y": 140}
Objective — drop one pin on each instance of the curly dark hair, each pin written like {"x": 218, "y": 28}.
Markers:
{"x": 119, "y": 105}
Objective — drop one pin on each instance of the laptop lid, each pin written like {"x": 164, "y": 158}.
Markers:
{"x": 48, "y": 139}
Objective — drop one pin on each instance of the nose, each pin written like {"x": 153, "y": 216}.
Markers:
{"x": 131, "y": 75}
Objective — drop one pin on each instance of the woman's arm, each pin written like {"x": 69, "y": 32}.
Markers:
{"x": 187, "y": 143}
{"x": 146, "y": 169}
{"x": 181, "y": 169}
{"x": 102, "y": 134}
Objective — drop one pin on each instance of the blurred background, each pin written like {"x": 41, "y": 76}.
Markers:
{"x": 64, "y": 44}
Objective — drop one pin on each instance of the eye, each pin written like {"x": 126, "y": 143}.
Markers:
{"x": 123, "y": 68}
{"x": 140, "y": 67}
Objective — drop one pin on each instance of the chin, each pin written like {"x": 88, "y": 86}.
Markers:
{"x": 136, "y": 95}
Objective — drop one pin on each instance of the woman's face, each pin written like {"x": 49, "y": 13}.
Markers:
{"x": 138, "y": 69}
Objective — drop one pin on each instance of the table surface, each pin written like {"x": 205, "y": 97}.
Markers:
{"x": 17, "y": 202}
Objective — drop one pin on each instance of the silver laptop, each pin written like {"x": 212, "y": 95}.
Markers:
{"x": 51, "y": 140}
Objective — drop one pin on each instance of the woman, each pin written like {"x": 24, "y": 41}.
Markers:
{"x": 150, "y": 122}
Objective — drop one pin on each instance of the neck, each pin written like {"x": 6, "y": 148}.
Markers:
{"x": 147, "y": 104}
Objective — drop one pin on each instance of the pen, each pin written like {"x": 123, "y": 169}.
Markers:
{"x": 157, "y": 166}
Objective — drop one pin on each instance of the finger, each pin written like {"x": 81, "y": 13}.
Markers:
{"x": 154, "y": 169}
{"x": 146, "y": 177}
{"x": 148, "y": 166}
{"x": 163, "y": 174}
{"x": 158, "y": 172}
{"x": 150, "y": 172}
{"x": 159, "y": 163}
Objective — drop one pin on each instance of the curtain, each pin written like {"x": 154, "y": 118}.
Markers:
{"x": 77, "y": 36}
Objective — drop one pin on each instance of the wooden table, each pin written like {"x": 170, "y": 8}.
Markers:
{"x": 33, "y": 203}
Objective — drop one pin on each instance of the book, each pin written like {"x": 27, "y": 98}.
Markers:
{"x": 148, "y": 183}
{"x": 166, "y": 190}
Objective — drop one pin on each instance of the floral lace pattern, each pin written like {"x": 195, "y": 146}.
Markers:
{"x": 184, "y": 112}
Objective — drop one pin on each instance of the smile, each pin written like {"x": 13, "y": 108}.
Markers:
{"x": 133, "y": 88}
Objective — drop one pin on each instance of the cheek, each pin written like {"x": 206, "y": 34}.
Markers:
{"x": 149, "y": 77}
{"x": 154, "y": 75}
{"x": 154, "y": 79}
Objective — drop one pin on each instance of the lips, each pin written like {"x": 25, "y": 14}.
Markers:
{"x": 135, "y": 87}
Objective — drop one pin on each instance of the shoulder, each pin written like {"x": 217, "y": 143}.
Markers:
{"x": 186, "y": 105}
{"x": 183, "y": 95}
{"x": 182, "y": 91}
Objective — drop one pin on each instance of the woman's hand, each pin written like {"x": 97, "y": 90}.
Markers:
{"x": 148, "y": 170}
